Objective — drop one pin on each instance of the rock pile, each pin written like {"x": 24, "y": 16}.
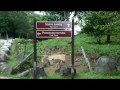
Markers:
{"x": 4, "y": 51}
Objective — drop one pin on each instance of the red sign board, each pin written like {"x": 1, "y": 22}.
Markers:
{"x": 52, "y": 33}
{"x": 53, "y": 25}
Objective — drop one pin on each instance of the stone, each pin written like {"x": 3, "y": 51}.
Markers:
{"x": 65, "y": 71}
{"x": 5, "y": 68}
{"x": 5, "y": 49}
{"x": 106, "y": 64}
{"x": 7, "y": 45}
{"x": 58, "y": 56}
{"x": 45, "y": 61}
{"x": 40, "y": 72}
{"x": 10, "y": 41}
{"x": 3, "y": 52}
{"x": 3, "y": 56}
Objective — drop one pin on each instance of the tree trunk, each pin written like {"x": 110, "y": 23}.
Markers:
{"x": 108, "y": 36}
{"x": 22, "y": 36}
{"x": 13, "y": 33}
{"x": 27, "y": 36}
{"x": 99, "y": 40}
{"x": 7, "y": 37}
{"x": 0, "y": 35}
{"x": 108, "y": 39}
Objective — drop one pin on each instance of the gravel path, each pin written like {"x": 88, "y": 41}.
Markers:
{"x": 2, "y": 77}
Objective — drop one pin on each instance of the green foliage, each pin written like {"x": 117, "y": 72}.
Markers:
{"x": 13, "y": 60}
{"x": 56, "y": 76}
{"x": 59, "y": 15}
{"x": 80, "y": 40}
{"x": 101, "y": 23}
{"x": 86, "y": 41}
{"x": 93, "y": 75}
{"x": 15, "y": 23}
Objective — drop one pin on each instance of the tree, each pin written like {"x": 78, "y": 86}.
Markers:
{"x": 101, "y": 23}
{"x": 59, "y": 15}
{"x": 19, "y": 22}
{"x": 16, "y": 23}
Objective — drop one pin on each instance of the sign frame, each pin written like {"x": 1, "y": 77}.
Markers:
{"x": 35, "y": 49}
{"x": 54, "y": 22}
{"x": 53, "y": 36}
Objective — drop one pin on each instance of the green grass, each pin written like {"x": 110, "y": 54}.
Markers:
{"x": 90, "y": 46}
{"x": 3, "y": 74}
{"x": 93, "y": 75}
{"x": 86, "y": 75}
{"x": 12, "y": 60}
{"x": 80, "y": 75}
{"x": 56, "y": 76}
{"x": 87, "y": 42}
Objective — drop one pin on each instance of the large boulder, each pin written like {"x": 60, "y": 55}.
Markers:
{"x": 5, "y": 68}
{"x": 3, "y": 56}
{"x": 7, "y": 45}
{"x": 2, "y": 51}
{"x": 5, "y": 49}
{"x": 4, "y": 41}
{"x": 10, "y": 41}
{"x": 106, "y": 64}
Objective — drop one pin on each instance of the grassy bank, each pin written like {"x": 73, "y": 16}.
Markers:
{"x": 90, "y": 46}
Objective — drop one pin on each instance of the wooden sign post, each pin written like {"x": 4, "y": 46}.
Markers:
{"x": 35, "y": 50}
{"x": 72, "y": 54}
{"x": 53, "y": 29}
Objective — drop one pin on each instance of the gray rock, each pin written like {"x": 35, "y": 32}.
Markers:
{"x": 3, "y": 52}
{"x": 10, "y": 41}
{"x": 3, "y": 56}
{"x": 65, "y": 71}
{"x": 5, "y": 49}
{"x": 30, "y": 72}
{"x": 106, "y": 64}
{"x": 41, "y": 72}
{"x": 5, "y": 68}
{"x": 7, "y": 44}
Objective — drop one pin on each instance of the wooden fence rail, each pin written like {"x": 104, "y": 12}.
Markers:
{"x": 23, "y": 61}
{"x": 86, "y": 59}
{"x": 21, "y": 54}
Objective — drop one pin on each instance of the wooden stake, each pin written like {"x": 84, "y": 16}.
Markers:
{"x": 86, "y": 59}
